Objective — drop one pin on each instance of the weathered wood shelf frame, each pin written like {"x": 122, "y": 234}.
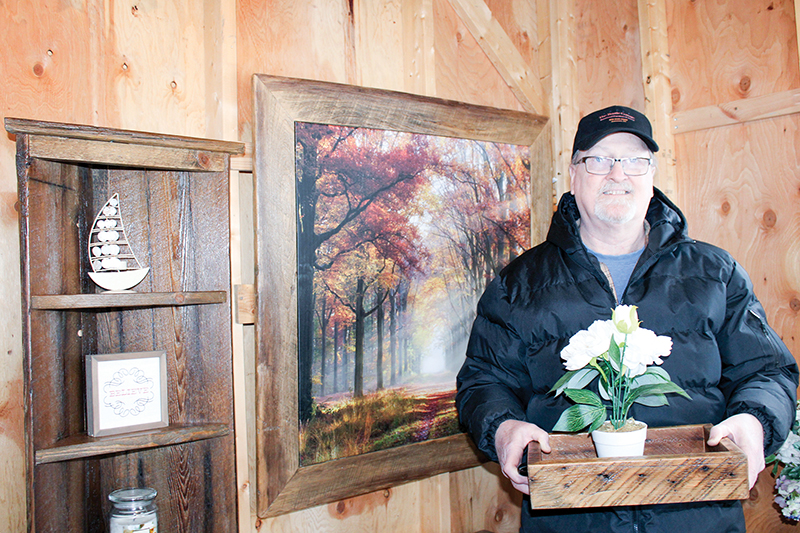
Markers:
{"x": 133, "y": 299}
{"x": 82, "y": 446}
{"x": 174, "y": 193}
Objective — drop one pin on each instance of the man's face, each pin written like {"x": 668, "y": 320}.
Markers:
{"x": 614, "y": 198}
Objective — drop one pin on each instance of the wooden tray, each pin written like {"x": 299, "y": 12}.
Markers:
{"x": 677, "y": 466}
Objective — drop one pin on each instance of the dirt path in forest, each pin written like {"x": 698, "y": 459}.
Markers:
{"x": 434, "y": 404}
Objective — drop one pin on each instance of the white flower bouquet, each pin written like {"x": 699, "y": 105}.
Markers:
{"x": 788, "y": 482}
{"x": 622, "y": 355}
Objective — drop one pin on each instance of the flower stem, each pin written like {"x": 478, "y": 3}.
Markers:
{"x": 621, "y": 390}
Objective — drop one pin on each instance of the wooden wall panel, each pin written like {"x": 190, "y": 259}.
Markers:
{"x": 745, "y": 193}
{"x": 482, "y": 499}
{"x": 420, "y": 506}
{"x": 724, "y": 51}
{"x": 607, "y": 54}
{"x": 379, "y": 29}
{"x": 311, "y": 40}
{"x": 459, "y": 58}
{"x": 738, "y": 184}
{"x": 527, "y": 25}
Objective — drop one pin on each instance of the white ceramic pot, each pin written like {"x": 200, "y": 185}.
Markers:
{"x": 620, "y": 443}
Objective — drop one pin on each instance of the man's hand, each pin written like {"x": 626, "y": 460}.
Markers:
{"x": 510, "y": 441}
{"x": 746, "y": 432}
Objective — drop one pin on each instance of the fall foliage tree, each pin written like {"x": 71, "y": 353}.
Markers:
{"x": 412, "y": 225}
{"x": 353, "y": 186}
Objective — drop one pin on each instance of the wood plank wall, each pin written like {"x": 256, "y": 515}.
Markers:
{"x": 739, "y": 184}
{"x": 185, "y": 67}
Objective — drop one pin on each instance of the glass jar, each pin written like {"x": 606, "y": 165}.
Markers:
{"x": 133, "y": 511}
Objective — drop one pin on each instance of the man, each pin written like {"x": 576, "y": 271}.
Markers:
{"x": 616, "y": 239}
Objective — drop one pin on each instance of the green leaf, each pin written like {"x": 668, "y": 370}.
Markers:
{"x": 656, "y": 388}
{"x": 652, "y": 400}
{"x": 614, "y": 355}
{"x": 596, "y": 424}
{"x": 656, "y": 372}
{"x": 603, "y": 391}
{"x": 585, "y": 397}
{"x": 791, "y": 471}
{"x": 560, "y": 385}
{"x": 579, "y": 416}
{"x": 648, "y": 378}
{"x": 575, "y": 379}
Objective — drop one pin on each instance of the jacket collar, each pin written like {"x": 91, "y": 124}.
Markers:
{"x": 667, "y": 225}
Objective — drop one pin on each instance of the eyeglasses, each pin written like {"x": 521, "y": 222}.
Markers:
{"x": 631, "y": 166}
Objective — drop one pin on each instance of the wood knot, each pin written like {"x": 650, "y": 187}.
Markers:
{"x": 744, "y": 84}
{"x": 794, "y": 304}
{"x": 499, "y": 515}
{"x": 769, "y": 218}
{"x": 38, "y": 70}
{"x": 340, "y": 507}
{"x": 203, "y": 159}
{"x": 676, "y": 96}
{"x": 387, "y": 494}
{"x": 726, "y": 207}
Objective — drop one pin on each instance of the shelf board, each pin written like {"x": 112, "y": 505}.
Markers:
{"x": 126, "y": 299}
{"x": 82, "y": 446}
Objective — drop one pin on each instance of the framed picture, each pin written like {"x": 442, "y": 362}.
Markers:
{"x": 126, "y": 392}
{"x": 368, "y": 205}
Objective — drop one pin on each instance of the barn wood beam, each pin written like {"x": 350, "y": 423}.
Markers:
{"x": 737, "y": 111}
{"x": 500, "y": 50}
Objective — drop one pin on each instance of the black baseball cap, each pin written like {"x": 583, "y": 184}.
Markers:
{"x": 614, "y": 119}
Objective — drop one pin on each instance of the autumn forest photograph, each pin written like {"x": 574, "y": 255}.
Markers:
{"x": 398, "y": 234}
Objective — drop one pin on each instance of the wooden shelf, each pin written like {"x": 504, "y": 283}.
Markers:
{"x": 82, "y": 446}
{"x": 176, "y": 189}
{"x": 128, "y": 299}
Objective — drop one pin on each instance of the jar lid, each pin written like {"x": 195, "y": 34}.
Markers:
{"x": 133, "y": 497}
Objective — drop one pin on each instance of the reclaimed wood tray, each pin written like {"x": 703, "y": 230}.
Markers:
{"x": 677, "y": 466}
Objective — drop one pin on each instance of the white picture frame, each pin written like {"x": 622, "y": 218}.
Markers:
{"x": 126, "y": 392}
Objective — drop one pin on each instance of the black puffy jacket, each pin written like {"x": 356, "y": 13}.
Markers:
{"x": 724, "y": 354}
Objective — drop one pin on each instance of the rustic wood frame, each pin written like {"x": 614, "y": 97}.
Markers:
{"x": 282, "y": 485}
{"x": 94, "y": 392}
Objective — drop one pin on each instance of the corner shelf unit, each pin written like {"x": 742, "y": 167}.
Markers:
{"x": 174, "y": 196}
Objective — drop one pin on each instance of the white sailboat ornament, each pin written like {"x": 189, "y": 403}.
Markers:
{"x": 114, "y": 266}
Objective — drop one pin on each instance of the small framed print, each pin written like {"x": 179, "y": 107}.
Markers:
{"x": 126, "y": 392}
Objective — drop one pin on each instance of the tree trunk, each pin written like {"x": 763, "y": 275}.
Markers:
{"x": 392, "y": 340}
{"x": 358, "y": 370}
{"x": 323, "y": 330}
{"x": 335, "y": 357}
{"x": 306, "y": 250}
{"x": 379, "y": 351}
